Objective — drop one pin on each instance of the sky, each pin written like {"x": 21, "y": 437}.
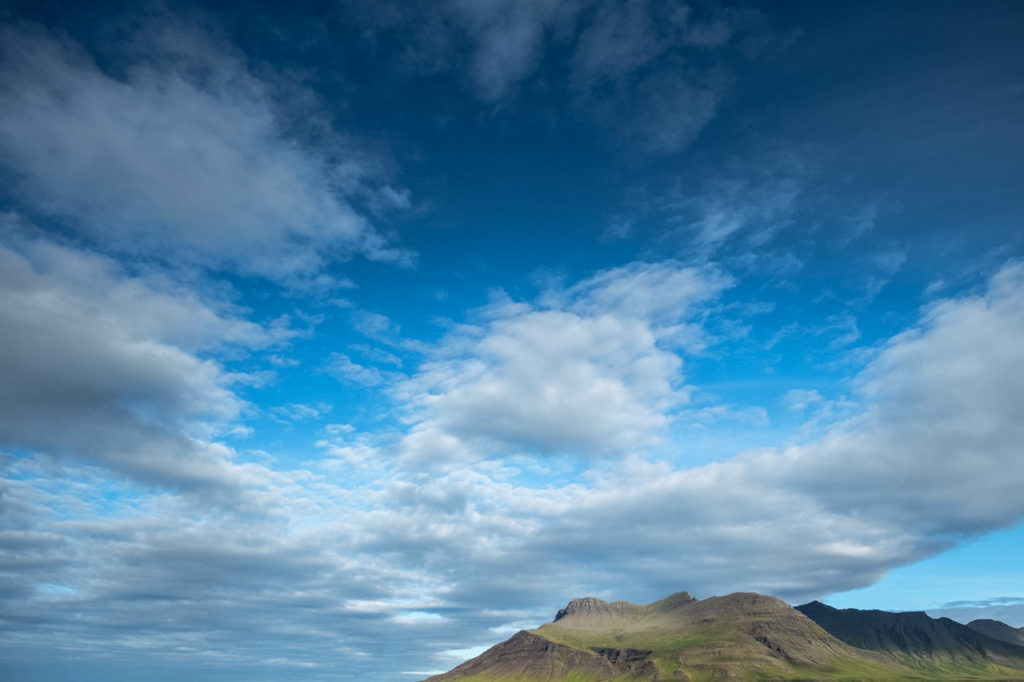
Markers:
{"x": 341, "y": 340}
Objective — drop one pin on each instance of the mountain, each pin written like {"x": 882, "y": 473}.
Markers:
{"x": 936, "y": 646}
{"x": 738, "y": 636}
{"x": 998, "y": 630}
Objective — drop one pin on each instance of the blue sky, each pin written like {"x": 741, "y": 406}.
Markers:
{"x": 341, "y": 340}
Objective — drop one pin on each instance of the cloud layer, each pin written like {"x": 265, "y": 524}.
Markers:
{"x": 459, "y": 551}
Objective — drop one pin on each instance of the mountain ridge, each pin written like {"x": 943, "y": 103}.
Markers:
{"x": 998, "y": 630}
{"x": 915, "y": 639}
{"x": 744, "y": 635}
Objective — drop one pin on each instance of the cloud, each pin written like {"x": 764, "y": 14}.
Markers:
{"x": 984, "y": 603}
{"x": 800, "y": 399}
{"x": 883, "y": 266}
{"x": 908, "y": 476}
{"x": 631, "y": 68}
{"x": 343, "y": 368}
{"x": 109, "y": 368}
{"x": 589, "y": 370}
{"x": 671, "y": 113}
{"x": 181, "y": 155}
{"x": 171, "y": 586}
{"x": 621, "y": 38}
{"x": 508, "y": 37}
{"x": 741, "y": 211}
{"x": 336, "y": 567}
{"x": 653, "y": 72}
{"x": 298, "y": 412}
{"x": 1009, "y": 610}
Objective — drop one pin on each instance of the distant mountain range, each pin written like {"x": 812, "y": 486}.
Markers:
{"x": 745, "y": 636}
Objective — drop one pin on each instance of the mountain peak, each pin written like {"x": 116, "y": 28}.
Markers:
{"x": 592, "y": 607}
{"x": 674, "y": 601}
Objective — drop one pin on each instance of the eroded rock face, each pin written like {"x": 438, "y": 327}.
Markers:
{"x": 636, "y": 662}
{"x": 622, "y": 656}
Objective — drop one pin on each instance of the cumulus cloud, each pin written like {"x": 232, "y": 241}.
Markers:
{"x": 931, "y": 457}
{"x": 591, "y": 369}
{"x": 109, "y": 368}
{"x": 183, "y": 157}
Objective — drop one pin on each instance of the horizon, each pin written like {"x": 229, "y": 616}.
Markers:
{"x": 339, "y": 340}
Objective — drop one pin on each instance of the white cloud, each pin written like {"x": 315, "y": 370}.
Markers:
{"x": 185, "y": 160}
{"x": 106, "y": 367}
{"x": 800, "y": 399}
{"x": 298, "y": 412}
{"x": 589, "y": 370}
{"x": 343, "y": 368}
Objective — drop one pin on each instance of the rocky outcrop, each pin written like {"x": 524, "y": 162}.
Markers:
{"x": 594, "y": 608}
{"x": 636, "y": 662}
{"x": 622, "y": 656}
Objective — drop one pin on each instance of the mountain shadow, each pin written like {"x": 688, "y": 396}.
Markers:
{"x": 937, "y": 647}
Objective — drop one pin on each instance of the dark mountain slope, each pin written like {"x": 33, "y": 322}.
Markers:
{"x": 915, "y": 639}
{"x": 998, "y": 630}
